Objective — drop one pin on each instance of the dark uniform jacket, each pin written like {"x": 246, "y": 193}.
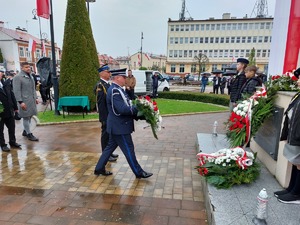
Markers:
{"x": 8, "y": 99}
{"x": 101, "y": 92}
{"x": 120, "y": 111}
{"x": 223, "y": 82}
{"x": 215, "y": 81}
{"x": 236, "y": 85}
{"x": 250, "y": 85}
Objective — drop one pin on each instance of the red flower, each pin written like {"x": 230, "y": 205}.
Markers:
{"x": 147, "y": 98}
{"x": 155, "y": 108}
{"x": 294, "y": 78}
{"x": 203, "y": 171}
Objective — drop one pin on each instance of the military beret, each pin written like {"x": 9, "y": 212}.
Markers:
{"x": 217, "y": 71}
{"x": 242, "y": 60}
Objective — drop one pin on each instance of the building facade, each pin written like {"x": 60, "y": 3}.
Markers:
{"x": 221, "y": 40}
{"x": 110, "y": 61}
{"x": 14, "y": 45}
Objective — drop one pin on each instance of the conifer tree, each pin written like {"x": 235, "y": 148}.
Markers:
{"x": 1, "y": 56}
{"x": 79, "y": 61}
{"x": 252, "y": 60}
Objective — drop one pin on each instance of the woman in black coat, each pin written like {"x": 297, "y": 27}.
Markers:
{"x": 291, "y": 134}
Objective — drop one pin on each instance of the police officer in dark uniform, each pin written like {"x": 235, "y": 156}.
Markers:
{"x": 101, "y": 91}
{"x": 238, "y": 82}
{"x": 120, "y": 125}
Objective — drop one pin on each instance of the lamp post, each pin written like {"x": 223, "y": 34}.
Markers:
{"x": 34, "y": 13}
{"x": 88, "y": 5}
{"x": 142, "y": 49}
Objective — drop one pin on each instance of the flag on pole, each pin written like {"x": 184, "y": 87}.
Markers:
{"x": 147, "y": 56}
{"x": 31, "y": 45}
{"x": 43, "y": 48}
{"x": 43, "y": 8}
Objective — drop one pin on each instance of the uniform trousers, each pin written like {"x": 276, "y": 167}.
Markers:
{"x": 124, "y": 141}
{"x": 104, "y": 136}
{"x": 10, "y": 124}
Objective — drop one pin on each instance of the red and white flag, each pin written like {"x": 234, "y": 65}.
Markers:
{"x": 31, "y": 45}
{"x": 147, "y": 56}
{"x": 43, "y": 8}
{"x": 43, "y": 49}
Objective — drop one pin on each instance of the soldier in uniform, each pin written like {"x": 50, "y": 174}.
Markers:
{"x": 120, "y": 126}
{"x": 101, "y": 91}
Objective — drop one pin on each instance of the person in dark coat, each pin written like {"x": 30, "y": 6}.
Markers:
{"x": 101, "y": 91}
{"x": 120, "y": 125}
{"x": 204, "y": 81}
{"x": 237, "y": 82}
{"x": 155, "y": 79}
{"x": 216, "y": 81}
{"x": 291, "y": 134}
{"x": 9, "y": 104}
{"x": 251, "y": 83}
{"x": 25, "y": 93}
{"x": 223, "y": 82}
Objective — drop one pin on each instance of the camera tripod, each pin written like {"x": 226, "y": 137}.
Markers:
{"x": 50, "y": 99}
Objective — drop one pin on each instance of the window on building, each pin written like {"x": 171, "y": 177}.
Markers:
{"x": 190, "y": 53}
{"x": 186, "y": 40}
{"x": 175, "y": 53}
{"x": 221, "y": 53}
{"x": 236, "y": 53}
{"x": 213, "y": 27}
{"x": 232, "y": 40}
{"x": 264, "y": 53}
{"x": 177, "y": 27}
{"x": 227, "y": 39}
{"x": 185, "y": 53}
{"x": 207, "y": 26}
{"x": 191, "y": 40}
{"x": 216, "y": 39}
{"x": 245, "y": 26}
{"x": 193, "y": 68}
{"x": 210, "y": 53}
{"x": 50, "y": 54}
{"x": 226, "y": 53}
{"x": 270, "y": 38}
{"x": 181, "y": 27}
{"x": 256, "y": 26}
{"x": 215, "y": 53}
{"x": 243, "y": 39}
{"x": 258, "y": 53}
{"x": 28, "y": 53}
{"x": 269, "y": 53}
{"x": 195, "y": 53}
{"x": 251, "y": 26}
{"x": 228, "y": 26}
{"x": 214, "y": 66}
{"x": 266, "y": 39}
{"x": 170, "y": 53}
{"x": 180, "y": 53}
{"x": 238, "y": 39}
{"x": 242, "y": 53}
{"x": 205, "y": 52}
{"x": 21, "y": 52}
{"x": 172, "y": 28}
{"x": 197, "y": 27}
{"x": 38, "y": 53}
{"x": 201, "y": 40}
{"x": 181, "y": 40}
{"x": 239, "y": 26}
{"x": 262, "y": 26}
{"x": 254, "y": 39}
{"x": 224, "y": 66}
{"x": 260, "y": 39}
{"x": 247, "y": 53}
{"x": 231, "y": 54}
{"x": 176, "y": 40}
{"x": 181, "y": 68}
{"x": 234, "y": 26}
{"x": 187, "y": 27}
{"x": 222, "y": 40}
{"x": 173, "y": 68}
{"x": 202, "y": 26}
{"x": 211, "y": 40}
{"x": 196, "y": 40}
{"x": 206, "y": 39}
{"x": 171, "y": 40}
{"x": 192, "y": 27}
{"x": 249, "y": 39}
{"x": 268, "y": 25}
{"x": 218, "y": 26}
{"x": 223, "y": 26}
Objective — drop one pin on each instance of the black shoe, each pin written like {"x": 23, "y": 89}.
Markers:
{"x": 283, "y": 192}
{"x": 31, "y": 137}
{"x": 114, "y": 155}
{"x": 289, "y": 198}
{"x": 14, "y": 145}
{"x": 144, "y": 175}
{"x": 5, "y": 148}
{"x": 24, "y": 133}
{"x": 111, "y": 159}
{"x": 104, "y": 173}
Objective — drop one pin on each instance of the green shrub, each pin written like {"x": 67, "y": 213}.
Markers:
{"x": 197, "y": 97}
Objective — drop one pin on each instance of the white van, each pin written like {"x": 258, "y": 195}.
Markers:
{"x": 144, "y": 82}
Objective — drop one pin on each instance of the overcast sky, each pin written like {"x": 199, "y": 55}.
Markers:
{"x": 117, "y": 24}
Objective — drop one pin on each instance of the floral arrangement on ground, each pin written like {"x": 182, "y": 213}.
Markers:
{"x": 228, "y": 167}
{"x": 148, "y": 110}
{"x": 284, "y": 82}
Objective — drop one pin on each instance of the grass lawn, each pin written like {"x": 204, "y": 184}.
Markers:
{"x": 166, "y": 106}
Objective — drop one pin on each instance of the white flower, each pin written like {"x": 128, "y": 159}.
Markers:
{"x": 238, "y": 112}
{"x": 245, "y": 109}
{"x": 242, "y": 114}
{"x": 235, "y": 109}
{"x": 224, "y": 164}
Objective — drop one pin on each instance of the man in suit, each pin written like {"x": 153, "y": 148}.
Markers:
{"x": 9, "y": 104}
{"x": 216, "y": 81}
{"x": 120, "y": 126}
{"x": 101, "y": 91}
{"x": 223, "y": 81}
{"x": 24, "y": 90}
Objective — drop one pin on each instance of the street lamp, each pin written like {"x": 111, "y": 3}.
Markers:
{"x": 142, "y": 49}
{"x": 34, "y": 13}
{"x": 88, "y": 5}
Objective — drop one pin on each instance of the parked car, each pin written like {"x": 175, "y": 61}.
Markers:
{"x": 176, "y": 78}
